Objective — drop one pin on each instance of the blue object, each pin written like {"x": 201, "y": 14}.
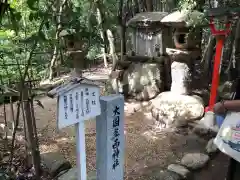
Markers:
{"x": 219, "y": 119}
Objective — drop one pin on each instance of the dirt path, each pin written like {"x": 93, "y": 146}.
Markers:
{"x": 146, "y": 151}
{"x": 216, "y": 169}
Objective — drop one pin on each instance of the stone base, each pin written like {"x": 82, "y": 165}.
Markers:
{"x": 141, "y": 81}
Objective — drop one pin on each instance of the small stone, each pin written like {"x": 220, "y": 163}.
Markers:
{"x": 211, "y": 147}
{"x": 201, "y": 130}
{"x": 169, "y": 175}
{"x": 179, "y": 169}
{"x": 195, "y": 160}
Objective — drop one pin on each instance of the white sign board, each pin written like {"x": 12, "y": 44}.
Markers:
{"x": 78, "y": 104}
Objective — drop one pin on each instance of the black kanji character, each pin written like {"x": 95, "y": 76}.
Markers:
{"x": 65, "y": 99}
{"x": 65, "y": 102}
{"x": 93, "y": 94}
{"x": 116, "y": 111}
{"x": 76, "y": 96}
{"x": 86, "y": 91}
{"x": 71, "y": 103}
{"x": 93, "y": 102}
{"x": 87, "y": 106}
{"x": 116, "y": 132}
{"x": 115, "y": 153}
{"x": 115, "y": 164}
{"x": 116, "y": 121}
{"x": 116, "y": 143}
{"x": 77, "y": 111}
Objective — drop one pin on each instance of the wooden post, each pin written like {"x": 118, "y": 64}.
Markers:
{"x": 30, "y": 135}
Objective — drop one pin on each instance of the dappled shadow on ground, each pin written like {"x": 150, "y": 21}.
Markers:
{"x": 147, "y": 150}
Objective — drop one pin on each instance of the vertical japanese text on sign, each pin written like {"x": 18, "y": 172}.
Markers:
{"x": 77, "y": 106}
{"x": 116, "y": 142}
{"x": 65, "y": 106}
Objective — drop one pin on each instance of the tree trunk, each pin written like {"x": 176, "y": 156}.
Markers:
{"x": 230, "y": 53}
{"x": 12, "y": 113}
{"x": 122, "y": 25}
{"x": 58, "y": 29}
{"x": 123, "y": 40}
{"x": 235, "y": 58}
{"x": 112, "y": 47}
{"x": 30, "y": 133}
{"x": 149, "y": 5}
{"x": 53, "y": 61}
{"x": 136, "y": 6}
{"x": 208, "y": 59}
{"x": 100, "y": 19}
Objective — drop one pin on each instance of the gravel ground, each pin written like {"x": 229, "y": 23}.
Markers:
{"x": 147, "y": 151}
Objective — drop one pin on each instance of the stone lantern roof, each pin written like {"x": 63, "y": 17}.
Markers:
{"x": 184, "y": 18}
{"x": 145, "y": 19}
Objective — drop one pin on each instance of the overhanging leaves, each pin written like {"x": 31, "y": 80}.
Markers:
{"x": 32, "y": 4}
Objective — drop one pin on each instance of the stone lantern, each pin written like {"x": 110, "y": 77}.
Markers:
{"x": 187, "y": 50}
{"x": 76, "y": 50}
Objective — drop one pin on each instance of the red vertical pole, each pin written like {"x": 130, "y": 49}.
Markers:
{"x": 216, "y": 74}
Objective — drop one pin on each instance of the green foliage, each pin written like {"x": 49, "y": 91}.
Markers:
{"x": 93, "y": 52}
{"x": 20, "y": 31}
{"x": 187, "y": 4}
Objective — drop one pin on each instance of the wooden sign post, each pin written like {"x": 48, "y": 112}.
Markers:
{"x": 78, "y": 102}
{"x": 110, "y": 138}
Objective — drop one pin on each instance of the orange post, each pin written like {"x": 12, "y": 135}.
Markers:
{"x": 216, "y": 73}
{"x": 220, "y": 36}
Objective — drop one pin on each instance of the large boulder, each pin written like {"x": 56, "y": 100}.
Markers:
{"x": 175, "y": 109}
{"x": 141, "y": 81}
{"x": 55, "y": 163}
